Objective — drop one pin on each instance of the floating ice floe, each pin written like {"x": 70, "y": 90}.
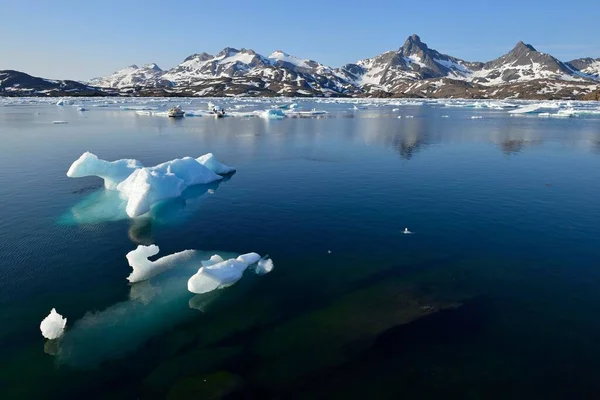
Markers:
{"x": 81, "y": 108}
{"x": 567, "y": 113}
{"x": 407, "y": 232}
{"x": 273, "y": 113}
{"x": 476, "y": 117}
{"x": 264, "y": 266}
{"x": 445, "y": 116}
{"x": 143, "y": 187}
{"x": 60, "y": 122}
{"x": 217, "y": 273}
{"x": 144, "y": 269}
{"x": 534, "y": 108}
{"x": 53, "y": 326}
{"x": 305, "y": 114}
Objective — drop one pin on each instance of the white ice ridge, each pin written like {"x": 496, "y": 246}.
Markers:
{"x": 144, "y": 269}
{"x": 113, "y": 172}
{"x": 217, "y": 273}
{"x": 143, "y": 187}
{"x": 53, "y": 326}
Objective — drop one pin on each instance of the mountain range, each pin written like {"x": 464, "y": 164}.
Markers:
{"x": 414, "y": 70}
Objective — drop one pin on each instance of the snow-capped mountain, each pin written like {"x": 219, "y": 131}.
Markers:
{"x": 412, "y": 62}
{"x": 524, "y": 63}
{"x": 240, "y": 71}
{"x": 149, "y": 75}
{"x": 413, "y": 70}
{"x": 587, "y": 66}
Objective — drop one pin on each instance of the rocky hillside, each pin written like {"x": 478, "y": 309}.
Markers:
{"x": 15, "y": 83}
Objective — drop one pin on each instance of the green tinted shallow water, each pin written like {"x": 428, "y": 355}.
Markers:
{"x": 494, "y": 295}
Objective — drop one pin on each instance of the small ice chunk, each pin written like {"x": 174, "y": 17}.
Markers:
{"x": 272, "y": 114}
{"x": 407, "y": 232}
{"x": 211, "y": 162}
{"x": 60, "y": 122}
{"x": 476, "y": 117}
{"x": 81, "y": 109}
{"x": 218, "y": 275}
{"x": 60, "y": 102}
{"x": 53, "y": 326}
{"x": 264, "y": 266}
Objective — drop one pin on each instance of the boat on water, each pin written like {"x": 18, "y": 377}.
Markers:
{"x": 175, "y": 112}
{"x": 218, "y": 111}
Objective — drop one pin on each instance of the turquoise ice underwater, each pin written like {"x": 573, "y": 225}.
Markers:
{"x": 494, "y": 293}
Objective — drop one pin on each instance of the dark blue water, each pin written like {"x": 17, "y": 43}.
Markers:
{"x": 494, "y": 295}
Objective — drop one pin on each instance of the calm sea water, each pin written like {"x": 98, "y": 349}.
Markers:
{"x": 494, "y": 295}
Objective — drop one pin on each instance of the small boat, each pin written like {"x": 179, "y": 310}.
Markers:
{"x": 175, "y": 112}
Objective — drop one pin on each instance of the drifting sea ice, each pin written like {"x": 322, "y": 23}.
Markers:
{"x": 143, "y": 187}
{"x": 144, "y": 269}
{"x": 217, "y": 273}
{"x": 53, "y": 326}
{"x": 272, "y": 114}
{"x": 154, "y": 305}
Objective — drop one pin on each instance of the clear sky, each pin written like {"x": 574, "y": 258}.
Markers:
{"x": 78, "y": 39}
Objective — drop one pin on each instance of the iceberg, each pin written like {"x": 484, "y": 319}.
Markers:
{"x": 53, "y": 326}
{"x": 273, "y": 113}
{"x": 142, "y": 187}
{"x": 217, "y": 273}
{"x": 113, "y": 172}
{"x": 144, "y": 269}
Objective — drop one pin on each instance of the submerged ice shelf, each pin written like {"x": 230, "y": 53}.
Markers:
{"x": 142, "y": 187}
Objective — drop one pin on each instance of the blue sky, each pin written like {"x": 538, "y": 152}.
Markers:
{"x": 83, "y": 39}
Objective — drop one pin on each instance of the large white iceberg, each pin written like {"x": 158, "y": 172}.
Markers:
{"x": 217, "y": 273}
{"x": 53, "y": 326}
{"x": 143, "y": 187}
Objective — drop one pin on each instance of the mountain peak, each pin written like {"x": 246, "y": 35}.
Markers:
{"x": 413, "y": 44}
{"x": 279, "y": 53}
{"x": 152, "y": 66}
{"x": 227, "y": 52}
{"x": 521, "y": 46}
{"x": 199, "y": 56}
{"x": 414, "y": 38}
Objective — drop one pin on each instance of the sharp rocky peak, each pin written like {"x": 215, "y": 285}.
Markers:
{"x": 522, "y": 48}
{"x": 413, "y": 45}
{"x": 152, "y": 66}
{"x": 199, "y": 56}
{"x": 227, "y": 52}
